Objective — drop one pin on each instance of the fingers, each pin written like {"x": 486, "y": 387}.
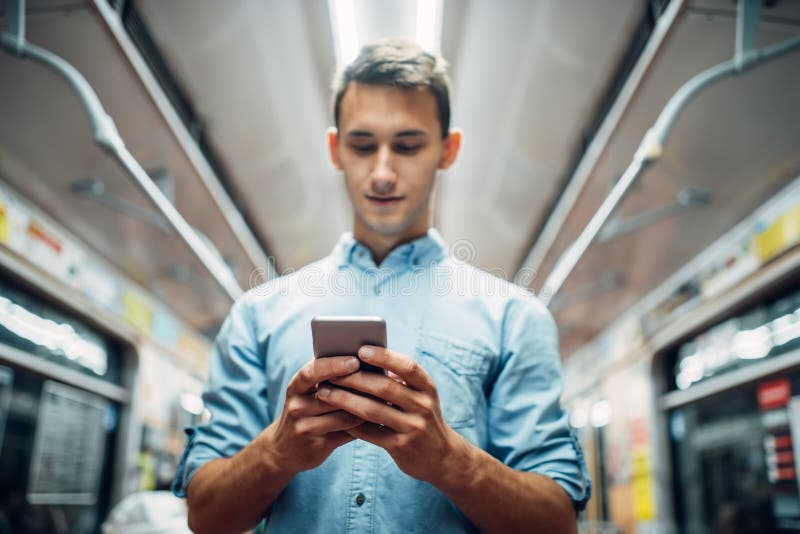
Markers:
{"x": 372, "y": 433}
{"x": 396, "y": 378}
{"x": 300, "y": 406}
{"x": 385, "y": 388}
{"x": 319, "y": 370}
{"x": 399, "y": 364}
{"x": 375, "y": 411}
{"x": 336, "y": 421}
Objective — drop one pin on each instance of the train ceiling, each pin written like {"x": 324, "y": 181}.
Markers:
{"x": 534, "y": 83}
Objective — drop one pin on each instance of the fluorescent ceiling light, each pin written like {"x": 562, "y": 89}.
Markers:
{"x": 345, "y": 33}
{"x": 356, "y": 22}
{"x": 579, "y": 417}
{"x": 600, "y": 413}
{"x": 429, "y": 24}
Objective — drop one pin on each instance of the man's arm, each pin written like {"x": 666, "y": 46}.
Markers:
{"x": 412, "y": 430}
{"x": 500, "y": 499}
{"x": 233, "y": 494}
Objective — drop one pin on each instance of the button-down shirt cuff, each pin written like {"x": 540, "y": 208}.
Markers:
{"x": 573, "y": 476}
{"x": 195, "y": 456}
{"x": 578, "y": 493}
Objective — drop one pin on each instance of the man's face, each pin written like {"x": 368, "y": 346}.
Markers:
{"x": 389, "y": 146}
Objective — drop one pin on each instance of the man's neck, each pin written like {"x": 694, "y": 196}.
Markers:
{"x": 380, "y": 246}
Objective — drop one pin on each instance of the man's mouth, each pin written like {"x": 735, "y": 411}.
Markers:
{"x": 388, "y": 200}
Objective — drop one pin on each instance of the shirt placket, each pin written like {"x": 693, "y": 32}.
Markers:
{"x": 365, "y": 476}
{"x": 382, "y": 284}
{"x": 361, "y": 498}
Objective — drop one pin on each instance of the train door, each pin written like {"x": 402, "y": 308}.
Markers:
{"x": 61, "y": 401}
{"x": 733, "y": 424}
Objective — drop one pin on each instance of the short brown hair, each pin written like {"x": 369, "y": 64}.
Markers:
{"x": 397, "y": 63}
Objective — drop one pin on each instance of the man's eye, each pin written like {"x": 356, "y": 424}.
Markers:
{"x": 407, "y": 148}
{"x": 363, "y": 149}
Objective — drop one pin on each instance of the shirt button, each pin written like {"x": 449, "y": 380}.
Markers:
{"x": 360, "y": 499}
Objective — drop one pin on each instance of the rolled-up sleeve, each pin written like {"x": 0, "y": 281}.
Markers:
{"x": 528, "y": 429}
{"x": 236, "y": 397}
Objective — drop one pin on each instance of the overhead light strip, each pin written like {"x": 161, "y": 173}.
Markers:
{"x": 347, "y": 40}
{"x": 429, "y": 24}
{"x": 345, "y": 32}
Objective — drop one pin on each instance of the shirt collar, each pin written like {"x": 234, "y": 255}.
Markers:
{"x": 427, "y": 249}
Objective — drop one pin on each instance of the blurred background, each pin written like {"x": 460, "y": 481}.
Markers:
{"x": 679, "y": 325}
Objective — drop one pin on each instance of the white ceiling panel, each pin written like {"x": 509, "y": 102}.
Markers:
{"x": 256, "y": 73}
{"x": 529, "y": 77}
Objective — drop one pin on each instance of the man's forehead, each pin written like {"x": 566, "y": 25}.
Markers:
{"x": 371, "y": 109}
{"x": 367, "y": 133}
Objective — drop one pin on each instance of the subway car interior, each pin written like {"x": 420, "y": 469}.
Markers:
{"x": 635, "y": 164}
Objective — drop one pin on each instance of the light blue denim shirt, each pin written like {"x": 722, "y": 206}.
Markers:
{"x": 490, "y": 346}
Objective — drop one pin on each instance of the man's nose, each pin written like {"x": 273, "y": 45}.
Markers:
{"x": 383, "y": 177}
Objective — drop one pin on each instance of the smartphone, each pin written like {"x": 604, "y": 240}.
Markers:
{"x": 343, "y": 335}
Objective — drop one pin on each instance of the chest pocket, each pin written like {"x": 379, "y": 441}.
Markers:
{"x": 458, "y": 371}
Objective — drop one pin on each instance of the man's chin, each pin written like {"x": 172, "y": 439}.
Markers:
{"x": 387, "y": 228}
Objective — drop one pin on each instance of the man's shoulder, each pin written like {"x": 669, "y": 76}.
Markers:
{"x": 306, "y": 280}
{"x": 491, "y": 284}
{"x": 489, "y": 294}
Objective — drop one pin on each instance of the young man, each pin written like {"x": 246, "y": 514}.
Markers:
{"x": 465, "y": 431}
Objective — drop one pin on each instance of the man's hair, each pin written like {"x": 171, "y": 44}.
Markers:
{"x": 397, "y": 63}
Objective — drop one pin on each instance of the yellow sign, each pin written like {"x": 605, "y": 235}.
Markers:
{"x": 4, "y": 233}
{"x": 644, "y": 503}
{"x": 137, "y": 311}
{"x": 781, "y": 235}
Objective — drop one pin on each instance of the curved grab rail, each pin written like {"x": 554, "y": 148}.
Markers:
{"x": 652, "y": 146}
{"x": 106, "y": 136}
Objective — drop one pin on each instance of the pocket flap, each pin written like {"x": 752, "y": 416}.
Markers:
{"x": 460, "y": 357}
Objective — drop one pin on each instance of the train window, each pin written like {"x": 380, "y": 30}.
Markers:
{"x": 766, "y": 331}
{"x": 734, "y": 462}
{"x": 29, "y": 324}
{"x": 56, "y": 440}
{"x": 55, "y": 455}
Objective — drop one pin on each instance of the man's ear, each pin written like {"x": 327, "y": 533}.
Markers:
{"x": 451, "y": 145}
{"x": 333, "y": 147}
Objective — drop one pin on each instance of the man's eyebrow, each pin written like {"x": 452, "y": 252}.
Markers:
{"x": 410, "y": 133}
{"x": 403, "y": 133}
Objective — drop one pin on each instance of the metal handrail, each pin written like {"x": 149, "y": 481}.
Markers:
{"x": 651, "y": 148}
{"x": 107, "y": 137}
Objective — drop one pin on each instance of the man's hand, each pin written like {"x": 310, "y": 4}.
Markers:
{"x": 404, "y": 417}
{"x": 308, "y": 430}
{"x": 231, "y": 494}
